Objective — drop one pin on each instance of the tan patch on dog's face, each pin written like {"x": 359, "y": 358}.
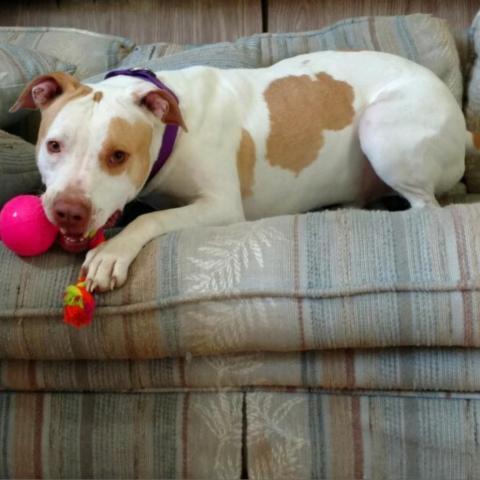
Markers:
{"x": 132, "y": 138}
{"x": 301, "y": 108}
{"x": 246, "y": 163}
{"x": 97, "y": 96}
{"x": 49, "y": 114}
{"x": 476, "y": 140}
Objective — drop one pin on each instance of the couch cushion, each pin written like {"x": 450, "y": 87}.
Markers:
{"x": 18, "y": 170}
{"x": 168, "y": 56}
{"x": 422, "y": 38}
{"x": 18, "y": 66}
{"x": 333, "y": 436}
{"x": 408, "y": 369}
{"x": 128, "y": 436}
{"x": 259, "y": 435}
{"x": 472, "y": 109}
{"x": 346, "y": 279}
{"x": 91, "y": 52}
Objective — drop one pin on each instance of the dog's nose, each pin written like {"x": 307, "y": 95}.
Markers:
{"x": 72, "y": 212}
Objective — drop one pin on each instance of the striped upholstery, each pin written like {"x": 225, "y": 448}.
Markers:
{"x": 424, "y": 39}
{"x": 347, "y": 279}
{"x": 406, "y": 369}
{"x": 262, "y": 435}
{"x": 472, "y": 107}
{"x": 90, "y": 52}
{"x": 18, "y": 169}
{"x": 120, "y": 436}
{"x": 17, "y": 67}
{"x": 252, "y": 402}
{"x": 362, "y": 436}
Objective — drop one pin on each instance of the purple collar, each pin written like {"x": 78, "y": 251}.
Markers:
{"x": 171, "y": 131}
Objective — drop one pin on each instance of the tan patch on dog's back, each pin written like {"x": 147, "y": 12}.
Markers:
{"x": 476, "y": 140}
{"x": 132, "y": 138}
{"x": 97, "y": 96}
{"x": 301, "y": 108}
{"x": 51, "y": 112}
{"x": 246, "y": 158}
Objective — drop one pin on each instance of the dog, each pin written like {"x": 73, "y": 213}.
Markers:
{"x": 310, "y": 131}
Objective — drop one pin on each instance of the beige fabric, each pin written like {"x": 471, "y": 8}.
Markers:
{"x": 372, "y": 436}
{"x": 422, "y": 38}
{"x": 412, "y": 369}
{"x": 126, "y": 436}
{"x": 18, "y": 66}
{"x": 18, "y": 170}
{"x": 229, "y": 435}
{"x": 346, "y": 279}
{"x": 472, "y": 108}
{"x": 473, "y": 93}
{"x": 90, "y": 52}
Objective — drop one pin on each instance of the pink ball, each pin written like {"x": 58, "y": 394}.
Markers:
{"x": 24, "y": 227}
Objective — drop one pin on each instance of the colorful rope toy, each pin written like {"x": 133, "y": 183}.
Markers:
{"x": 78, "y": 302}
{"x": 78, "y": 305}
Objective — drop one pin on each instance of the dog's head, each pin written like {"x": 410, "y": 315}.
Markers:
{"x": 96, "y": 144}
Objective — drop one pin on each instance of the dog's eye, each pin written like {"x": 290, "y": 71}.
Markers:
{"x": 53, "y": 146}
{"x": 117, "y": 158}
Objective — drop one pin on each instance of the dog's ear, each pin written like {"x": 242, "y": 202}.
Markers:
{"x": 41, "y": 91}
{"x": 164, "y": 106}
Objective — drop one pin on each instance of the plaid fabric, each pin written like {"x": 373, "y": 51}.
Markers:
{"x": 421, "y": 38}
{"x": 346, "y": 279}
{"x": 408, "y": 369}
{"x": 262, "y": 435}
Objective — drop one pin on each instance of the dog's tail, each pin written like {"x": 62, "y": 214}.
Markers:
{"x": 472, "y": 142}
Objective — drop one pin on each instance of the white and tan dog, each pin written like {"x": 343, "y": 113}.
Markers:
{"x": 253, "y": 143}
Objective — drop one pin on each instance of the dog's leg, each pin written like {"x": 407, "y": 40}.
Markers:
{"x": 106, "y": 267}
{"x": 416, "y": 146}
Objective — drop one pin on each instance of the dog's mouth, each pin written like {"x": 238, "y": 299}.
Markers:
{"x": 75, "y": 243}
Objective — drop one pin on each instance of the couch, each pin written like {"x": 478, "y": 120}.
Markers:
{"x": 329, "y": 345}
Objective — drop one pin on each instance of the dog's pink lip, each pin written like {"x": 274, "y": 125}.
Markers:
{"x": 78, "y": 242}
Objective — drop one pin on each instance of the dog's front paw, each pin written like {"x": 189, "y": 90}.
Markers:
{"x": 106, "y": 267}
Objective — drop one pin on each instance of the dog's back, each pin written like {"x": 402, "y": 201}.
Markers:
{"x": 293, "y": 128}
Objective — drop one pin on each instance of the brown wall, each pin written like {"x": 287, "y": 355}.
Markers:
{"x": 285, "y": 15}
{"x": 201, "y": 21}
{"x": 181, "y": 21}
